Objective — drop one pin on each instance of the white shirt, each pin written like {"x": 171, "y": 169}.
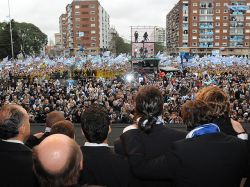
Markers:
{"x": 14, "y": 141}
{"x": 88, "y": 144}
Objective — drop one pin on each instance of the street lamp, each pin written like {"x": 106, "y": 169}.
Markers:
{"x": 11, "y": 38}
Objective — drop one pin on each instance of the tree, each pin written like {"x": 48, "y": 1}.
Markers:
{"x": 5, "y": 40}
{"x": 120, "y": 46}
{"x": 32, "y": 39}
{"x": 27, "y": 39}
{"x": 159, "y": 47}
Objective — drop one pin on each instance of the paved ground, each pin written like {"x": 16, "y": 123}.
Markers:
{"x": 116, "y": 131}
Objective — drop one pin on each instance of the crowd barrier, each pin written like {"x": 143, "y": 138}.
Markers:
{"x": 116, "y": 130}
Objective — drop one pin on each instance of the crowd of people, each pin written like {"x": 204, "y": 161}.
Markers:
{"x": 71, "y": 90}
{"x": 213, "y": 151}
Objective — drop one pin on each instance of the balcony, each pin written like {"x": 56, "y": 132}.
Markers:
{"x": 206, "y": 46}
{"x": 206, "y": 39}
{"x": 207, "y": 33}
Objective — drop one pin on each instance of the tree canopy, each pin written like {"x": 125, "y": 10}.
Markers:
{"x": 119, "y": 45}
{"x": 27, "y": 39}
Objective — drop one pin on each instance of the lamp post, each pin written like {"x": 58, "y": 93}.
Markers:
{"x": 11, "y": 38}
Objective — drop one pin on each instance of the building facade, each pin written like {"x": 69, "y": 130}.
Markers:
{"x": 201, "y": 27}
{"x": 160, "y": 35}
{"x": 84, "y": 27}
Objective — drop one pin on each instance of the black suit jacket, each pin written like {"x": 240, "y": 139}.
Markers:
{"x": 34, "y": 141}
{"x": 16, "y": 165}
{"x": 212, "y": 160}
{"x": 156, "y": 143}
{"x": 102, "y": 167}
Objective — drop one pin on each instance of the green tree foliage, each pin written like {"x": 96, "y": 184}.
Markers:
{"x": 32, "y": 38}
{"x": 27, "y": 39}
{"x": 5, "y": 41}
{"x": 120, "y": 45}
{"x": 159, "y": 47}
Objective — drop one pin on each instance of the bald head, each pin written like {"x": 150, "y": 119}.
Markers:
{"x": 57, "y": 159}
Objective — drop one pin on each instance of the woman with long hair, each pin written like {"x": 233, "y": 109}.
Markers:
{"x": 156, "y": 138}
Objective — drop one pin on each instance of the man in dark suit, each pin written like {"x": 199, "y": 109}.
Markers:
{"x": 51, "y": 119}
{"x": 101, "y": 165}
{"x": 15, "y": 157}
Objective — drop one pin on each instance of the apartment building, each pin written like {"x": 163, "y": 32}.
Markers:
{"x": 160, "y": 35}
{"x": 200, "y": 27}
{"x": 87, "y": 27}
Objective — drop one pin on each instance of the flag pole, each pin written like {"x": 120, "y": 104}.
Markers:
{"x": 11, "y": 38}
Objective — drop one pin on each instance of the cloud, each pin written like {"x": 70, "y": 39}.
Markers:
{"x": 123, "y": 13}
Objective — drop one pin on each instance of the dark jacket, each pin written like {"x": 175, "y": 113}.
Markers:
{"x": 34, "y": 141}
{"x": 103, "y": 167}
{"x": 216, "y": 160}
{"x": 156, "y": 143}
{"x": 16, "y": 165}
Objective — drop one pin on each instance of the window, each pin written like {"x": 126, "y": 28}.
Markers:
{"x": 247, "y": 17}
{"x": 217, "y": 31}
{"x": 225, "y": 4}
{"x": 92, "y": 19}
{"x": 247, "y": 31}
{"x": 224, "y": 37}
{"x": 224, "y": 44}
{"x": 246, "y": 44}
{"x": 217, "y": 37}
{"x": 217, "y": 4}
{"x": 194, "y": 44}
{"x": 194, "y": 18}
{"x": 194, "y": 31}
{"x": 224, "y": 30}
{"x": 77, "y": 13}
{"x": 84, "y": 6}
{"x": 217, "y": 24}
{"x": 217, "y": 18}
{"x": 247, "y": 37}
{"x": 225, "y": 24}
{"x": 217, "y": 44}
{"x": 195, "y": 11}
{"x": 93, "y": 38}
{"x": 225, "y": 17}
{"x": 194, "y": 37}
{"x": 93, "y": 45}
{"x": 92, "y": 6}
{"x": 92, "y": 25}
{"x": 195, "y": 4}
{"x": 217, "y": 11}
{"x": 77, "y": 26}
{"x": 92, "y": 12}
{"x": 225, "y": 11}
{"x": 78, "y": 19}
{"x": 93, "y": 32}
{"x": 195, "y": 24}
{"x": 77, "y": 6}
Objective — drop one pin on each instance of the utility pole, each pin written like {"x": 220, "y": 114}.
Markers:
{"x": 11, "y": 38}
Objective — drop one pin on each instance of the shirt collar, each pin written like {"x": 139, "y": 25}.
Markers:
{"x": 14, "y": 141}
{"x": 88, "y": 144}
{"x": 47, "y": 129}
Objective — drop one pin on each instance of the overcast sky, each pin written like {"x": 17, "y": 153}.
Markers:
{"x": 123, "y": 13}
